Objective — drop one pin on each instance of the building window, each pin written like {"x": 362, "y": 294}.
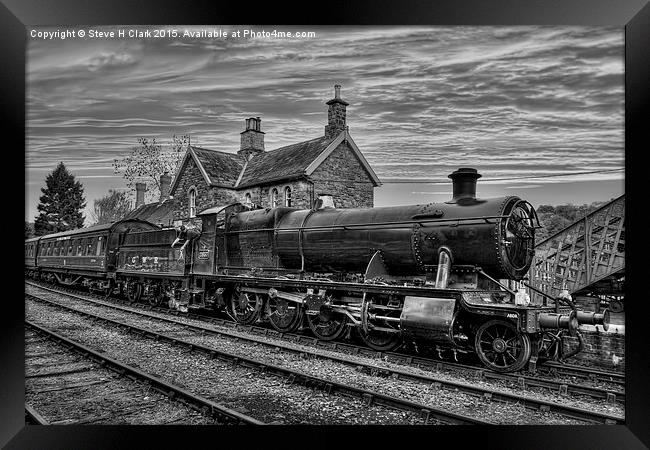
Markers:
{"x": 247, "y": 199}
{"x": 274, "y": 198}
{"x": 287, "y": 196}
{"x": 192, "y": 202}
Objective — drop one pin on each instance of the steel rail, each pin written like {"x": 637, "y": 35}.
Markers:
{"x": 369, "y": 397}
{"x": 488, "y": 393}
{"x": 585, "y": 372}
{"x": 401, "y": 358}
{"x": 172, "y": 390}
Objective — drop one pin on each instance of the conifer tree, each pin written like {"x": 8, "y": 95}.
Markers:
{"x": 61, "y": 204}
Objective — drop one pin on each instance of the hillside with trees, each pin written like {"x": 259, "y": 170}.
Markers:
{"x": 556, "y": 218}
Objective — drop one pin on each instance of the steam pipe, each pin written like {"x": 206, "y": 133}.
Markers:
{"x": 444, "y": 266}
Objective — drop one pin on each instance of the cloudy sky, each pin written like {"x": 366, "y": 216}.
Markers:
{"x": 514, "y": 102}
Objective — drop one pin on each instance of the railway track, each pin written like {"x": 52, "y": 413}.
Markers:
{"x": 559, "y": 377}
{"x": 425, "y": 413}
{"x": 426, "y": 379}
{"x": 96, "y": 370}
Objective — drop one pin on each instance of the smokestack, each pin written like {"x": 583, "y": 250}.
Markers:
{"x": 252, "y": 138}
{"x": 165, "y": 183}
{"x": 335, "y": 114}
{"x": 140, "y": 189}
{"x": 464, "y": 182}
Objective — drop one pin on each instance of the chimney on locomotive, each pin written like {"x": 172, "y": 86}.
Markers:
{"x": 464, "y": 183}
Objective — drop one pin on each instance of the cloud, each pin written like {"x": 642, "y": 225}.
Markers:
{"x": 423, "y": 100}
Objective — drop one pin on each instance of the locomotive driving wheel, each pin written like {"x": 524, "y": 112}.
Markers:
{"x": 284, "y": 315}
{"x": 501, "y": 347}
{"x": 380, "y": 325}
{"x": 245, "y": 306}
{"x": 325, "y": 323}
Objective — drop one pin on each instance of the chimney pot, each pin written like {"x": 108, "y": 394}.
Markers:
{"x": 252, "y": 138}
{"x": 165, "y": 183}
{"x": 464, "y": 183}
{"x": 140, "y": 189}
{"x": 336, "y": 114}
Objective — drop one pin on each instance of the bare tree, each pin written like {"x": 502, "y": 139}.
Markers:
{"x": 111, "y": 207}
{"x": 148, "y": 160}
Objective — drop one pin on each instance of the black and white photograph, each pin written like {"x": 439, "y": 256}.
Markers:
{"x": 325, "y": 225}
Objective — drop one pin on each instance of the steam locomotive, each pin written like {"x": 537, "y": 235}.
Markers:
{"x": 433, "y": 276}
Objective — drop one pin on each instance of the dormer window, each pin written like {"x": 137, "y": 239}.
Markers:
{"x": 274, "y": 198}
{"x": 191, "y": 197}
{"x": 287, "y": 196}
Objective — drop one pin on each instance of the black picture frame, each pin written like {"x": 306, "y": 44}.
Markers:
{"x": 634, "y": 15}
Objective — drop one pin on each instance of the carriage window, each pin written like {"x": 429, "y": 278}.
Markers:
{"x": 192, "y": 202}
{"x": 98, "y": 247}
{"x": 287, "y": 196}
{"x": 79, "y": 247}
{"x": 103, "y": 241}
{"x": 274, "y": 198}
{"x": 71, "y": 247}
{"x": 56, "y": 249}
{"x": 89, "y": 246}
{"x": 49, "y": 248}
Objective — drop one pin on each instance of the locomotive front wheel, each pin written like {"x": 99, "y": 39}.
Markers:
{"x": 284, "y": 315}
{"x": 246, "y": 307}
{"x": 501, "y": 347}
{"x": 327, "y": 325}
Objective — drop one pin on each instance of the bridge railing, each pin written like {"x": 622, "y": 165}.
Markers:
{"x": 583, "y": 253}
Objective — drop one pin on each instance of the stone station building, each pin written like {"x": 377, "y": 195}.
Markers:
{"x": 294, "y": 175}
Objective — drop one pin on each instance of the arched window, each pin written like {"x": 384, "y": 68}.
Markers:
{"x": 247, "y": 199}
{"x": 192, "y": 202}
{"x": 274, "y": 198}
{"x": 287, "y": 196}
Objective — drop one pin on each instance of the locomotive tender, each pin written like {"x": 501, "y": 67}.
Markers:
{"x": 423, "y": 274}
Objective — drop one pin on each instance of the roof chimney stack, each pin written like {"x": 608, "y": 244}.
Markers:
{"x": 140, "y": 189}
{"x": 464, "y": 182}
{"x": 252, "y": 138}
{"x": 335, "y": 114}
{"x": 165, "y": 183}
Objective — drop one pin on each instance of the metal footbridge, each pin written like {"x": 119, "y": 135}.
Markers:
{"x": 586, "y": 256}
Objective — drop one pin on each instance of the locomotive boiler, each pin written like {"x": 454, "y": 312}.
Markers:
{"x": 496, "y": 235}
